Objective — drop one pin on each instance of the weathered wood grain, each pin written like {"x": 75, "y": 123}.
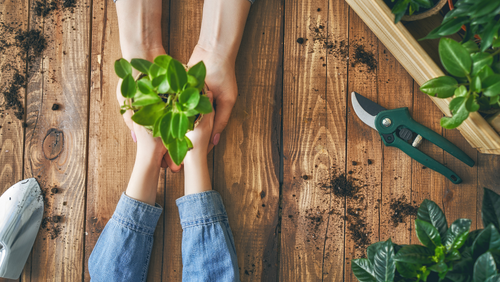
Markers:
{"x": 394, "y": 91}
{"x": 246, "y": 161}
{"x": 426, "y": 183}
{"x": 364, "y": 147}
{"x": 311, "y": 152}
{"x": 15, "y": 14}
{"x": 56, "y": 141}
{"x": 336, "y": 120}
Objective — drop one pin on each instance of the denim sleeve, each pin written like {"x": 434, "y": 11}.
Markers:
{"x": 123, "y": 250}
{"x": 208, "y": 252}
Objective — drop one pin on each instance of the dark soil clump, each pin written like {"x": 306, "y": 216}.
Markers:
{"x": 43, "y": 8}
{"x": 300, "y": 40}
{"x": 361, "y": 56}
{"x": 401, "y": 209}
{"x": 341, "y": 186}
{"x": 50, "y": 223}
{"x": 12, "y": 99}
{"x": 55, "y": 107}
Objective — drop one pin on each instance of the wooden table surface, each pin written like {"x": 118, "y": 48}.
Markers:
{"x": 291, "y": 128}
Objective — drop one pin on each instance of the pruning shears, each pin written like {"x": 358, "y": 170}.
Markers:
{"x": 398, "y": 129}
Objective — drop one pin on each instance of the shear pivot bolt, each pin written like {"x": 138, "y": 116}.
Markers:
{"x": 386, "y": 122}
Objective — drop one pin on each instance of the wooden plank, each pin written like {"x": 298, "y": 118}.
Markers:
{"x": 488, "y": 177}
{"x": 363, "y": 145}
{"x": 14, "y": 14}
{"x": 336, "y": 120}
{"x": 185, "y": 22}
{"x": 110, "y": 142}
{"x": 426, "y": 183}
{"x": 56, "y": 143}
{"x": 314, "y": 89}
{"x": 246, "y": 161}
{"x": 395, "y": 88}
{"x": 421, "y": 67}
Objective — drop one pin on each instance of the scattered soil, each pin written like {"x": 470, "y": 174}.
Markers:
{"x": 357, "y": 226}
{"x": 401, "y": 209}
{"x": 361, "y": 56}
{"x": 341, "y": 186}
{"x": 50, "y": 223}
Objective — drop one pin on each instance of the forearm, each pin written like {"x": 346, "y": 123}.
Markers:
{"x": 196, "y": 175}
{"x": 144, "y": 179}
{"x": 222, "y": 26}
{"x": 139, "y": 24}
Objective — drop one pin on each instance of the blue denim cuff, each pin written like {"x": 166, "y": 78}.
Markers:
{"x": 136, "y": 215}
{"x": 201, "y": 208}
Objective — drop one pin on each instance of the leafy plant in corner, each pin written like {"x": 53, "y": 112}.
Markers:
{"x": 451, "y": 253}
{"x": 474, "y": 70}
{"x": 165, "y": 98}
{"x": 409, "y": 6}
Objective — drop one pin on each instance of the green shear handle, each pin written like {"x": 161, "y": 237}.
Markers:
{"x": 390, "y": 122}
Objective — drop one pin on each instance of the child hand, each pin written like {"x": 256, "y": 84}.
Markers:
{"x": 200, "y": 136}
{"x": 149, "y": 148}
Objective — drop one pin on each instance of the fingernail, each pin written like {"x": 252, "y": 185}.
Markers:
{"x": 133, "y": 136}
{"x": 216, "y": 139}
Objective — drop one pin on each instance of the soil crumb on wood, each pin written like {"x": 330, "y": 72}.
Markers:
{"x": 358, "y": 228}
{"x": 401, "y": 209}
{"x": 341, "y": 185}
{"x": 50, "y": 224}
{"x": 361, "y": 56}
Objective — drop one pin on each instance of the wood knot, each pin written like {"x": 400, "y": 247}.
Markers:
{"x": 53, "y": 144}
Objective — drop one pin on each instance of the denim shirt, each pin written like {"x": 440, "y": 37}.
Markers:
{"x": 123, "y": 250}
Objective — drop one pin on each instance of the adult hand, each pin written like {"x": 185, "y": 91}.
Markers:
{"x": 221, "y": 80}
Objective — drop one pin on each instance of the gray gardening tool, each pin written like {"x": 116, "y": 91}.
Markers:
{"x": 21, "y": 211}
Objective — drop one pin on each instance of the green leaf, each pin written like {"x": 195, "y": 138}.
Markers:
{"x": 163, "y": 61}
{"x": 199, "y": 72}
{"x": 446, "y": 28}
{"x": 176, "y": 75}
{"x": 189, "y": 98}
{"x": 188, "y": 141}
{"x": 122, "y": 111}
{"x": 192, "y": 81}
{"x": 489, "y": 34}
{"x": 494, "y": 278}
{"x": 475, "y": 85}
{"x": 479, "y": 60}
{"x": 156, "y": 126}
{"x": 490, "y": 212}
{"x": 471, "y": 105}
{"x": 372, "y": 250}
{"x": 471, "y": 46}
{"x": 457, "y": 234}
{"x": 146, "y": 99}
{"x": 141, "y": 65}
{"x": 496, "y": 43}
{"x": 432, "y": 213}
{"x": 460, "y": 113}
{"x": 407, "y": 270}
{"x": 482, "y": 8}
{"x": 494, "y": 100}
{"x": 165, "y": 129}
{"x": 177, "y": 150}
{"x": 427, "y": 234}
{"x": 454, "y": 255}
{"x": 155, "y": 71}
{"x": 385, "y": 266}
{"x": 363, "y": 270}
{"x": 148, "y": 114}
{"x": 440, "y": 267}
{"x": 179, "y": 125}
{"x": 461, "y": 91}
{"x": 128, "y": 87}
{"x": 485, "y": 73}
{"x": 145, "y": 86}
{"x": 491, "y": 85}
{"x": 415, "y": 254}
{"x": 454, "y": 57}
{"x": 424, "y": 3}
{"x": 443, "y": 86}
{"x": 123, "y": 68}
{"x": 484, "y": 267}
{"x": 204, "y": 105}
{"x": 488, "y": 239}
{"x": 161, "y": 82}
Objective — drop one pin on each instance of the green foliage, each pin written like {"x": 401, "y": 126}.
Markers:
{"x": 448, "y": 253}
{"x": 166, "y": 98}
{"x": 402, "y": 7}
{"x": 473, "y": 67}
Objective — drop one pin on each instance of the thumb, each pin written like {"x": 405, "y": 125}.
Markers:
{"x": 223, "y": 109}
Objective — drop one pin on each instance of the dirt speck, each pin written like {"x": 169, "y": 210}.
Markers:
{"x": 300, "y": 40}
{"x": 55, "y": 107}
{"x": 401, "y": 209}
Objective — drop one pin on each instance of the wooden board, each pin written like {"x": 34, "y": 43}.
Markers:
{"x": 421, "y": 67}
{"x": 246, "y": 161}
{"x": 56, "y": 141}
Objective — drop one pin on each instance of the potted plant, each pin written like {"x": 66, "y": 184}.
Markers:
{"x": 165, "y": 98}
{"x": 451, "y": 253}
{"x": 412, "y": 10}
{"x": 474, "y": 79}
